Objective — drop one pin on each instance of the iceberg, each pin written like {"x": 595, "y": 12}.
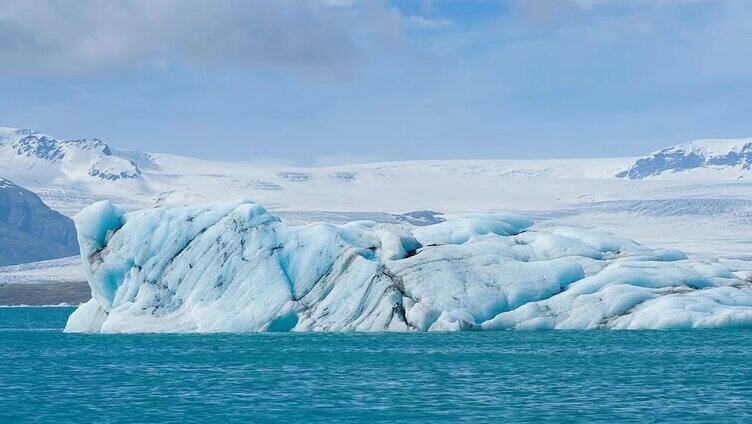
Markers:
{"x": 234, "y": 267}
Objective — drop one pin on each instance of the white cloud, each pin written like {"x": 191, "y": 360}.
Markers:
{"x": 418, "y": 21}
{"x": 83, "y": 36}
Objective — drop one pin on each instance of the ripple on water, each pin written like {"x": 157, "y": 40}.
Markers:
{"x": 49, "y": 376}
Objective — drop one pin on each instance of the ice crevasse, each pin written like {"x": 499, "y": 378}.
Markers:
{"x": 233, "y": 267}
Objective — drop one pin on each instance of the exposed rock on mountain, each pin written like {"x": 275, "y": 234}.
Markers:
{"x": 710, "y": 154}
{"x": 30, "y": 151}
{"x": 29, "y": 230}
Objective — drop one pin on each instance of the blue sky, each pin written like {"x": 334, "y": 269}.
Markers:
{"x": 337, "y": 81}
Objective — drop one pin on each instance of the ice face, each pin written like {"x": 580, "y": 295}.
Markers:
{"x": 235, "y": 267}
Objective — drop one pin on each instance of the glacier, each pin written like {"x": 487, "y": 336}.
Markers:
{"x": 234, "y": 267}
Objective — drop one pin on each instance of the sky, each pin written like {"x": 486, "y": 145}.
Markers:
{"x": 314, "y": 82}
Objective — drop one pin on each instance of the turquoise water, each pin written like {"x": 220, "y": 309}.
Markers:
{"x": 681, "y": 376}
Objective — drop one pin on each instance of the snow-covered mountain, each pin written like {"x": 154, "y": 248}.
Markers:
{"x": 708, "y": 158}
{"x": 697, "y": 209}
{"x": 26, "y": 152}
{"x": 29, "y": 230}
{"x": 71, "y": 174}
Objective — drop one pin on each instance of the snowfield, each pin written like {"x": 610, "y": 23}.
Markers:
{"x": 694, "y": 196}
{"x": 64, "y": 270}
{"x": 234, "y": 267}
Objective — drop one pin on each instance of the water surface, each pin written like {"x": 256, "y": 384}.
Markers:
{"x": 606, "y": 376}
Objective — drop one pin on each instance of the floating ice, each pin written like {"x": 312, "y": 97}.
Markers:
{"x": 234, "y": 267}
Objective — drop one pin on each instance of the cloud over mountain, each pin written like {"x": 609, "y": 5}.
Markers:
{"x": 53, "y": 37}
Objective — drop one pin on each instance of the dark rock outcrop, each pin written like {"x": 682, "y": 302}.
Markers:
{"x": 29, "y": 230}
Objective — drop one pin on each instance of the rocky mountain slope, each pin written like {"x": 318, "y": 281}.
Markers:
{"x": 29, "y": 230}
